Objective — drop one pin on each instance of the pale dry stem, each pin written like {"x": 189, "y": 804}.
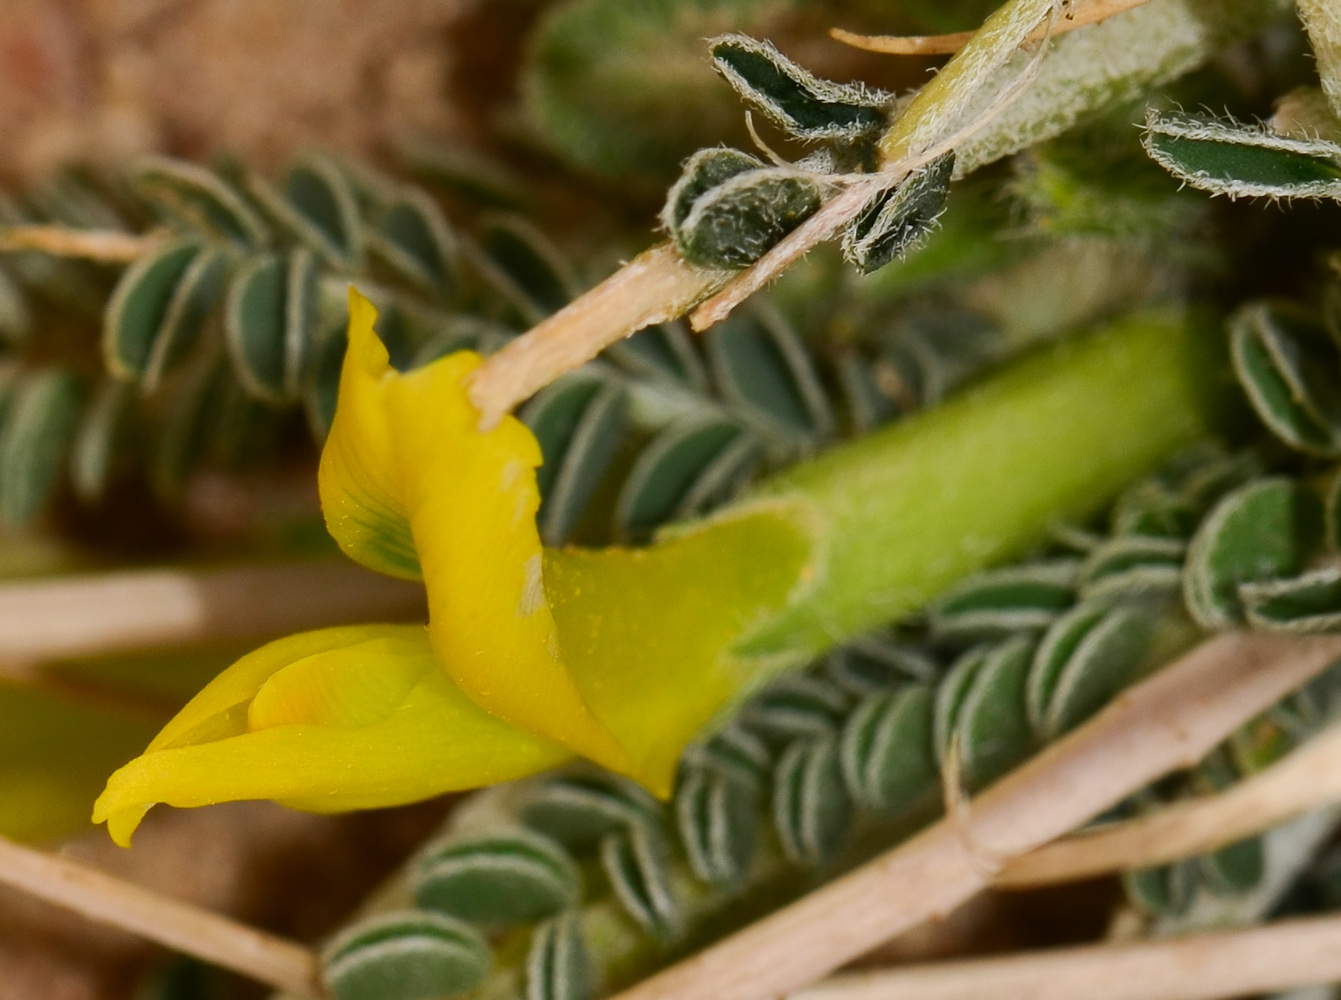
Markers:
{"x": 180, "y": 926}
{"x": 1308, "y": 779}
{"x": 1266, "y": 959}
{"x": 1078, "y": 15}
{"x": 654, "y": 287}
{"x": 1168, "y": 721}
{"x": 107, "y": 246}
{"x": 64, "y": 617}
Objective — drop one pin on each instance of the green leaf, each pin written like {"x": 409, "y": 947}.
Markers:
{"x": 1288, "y": 367}
{"x": 200, "y": 198}
{"x": 886, "y": 750}
{"x": 578, "y": 811}
{"x": 793, "y": 98}
{"x": 405, "y": 955}
{"x": 1164, "y": 891}
{"x": 733, "y": 750}
{"x": 693, "y": 462}
{"x": 580, "y": 423}
{"x": 763, "y": 368}
{"x": 413, "y": 239}
{"x": 269, "y": 322}
{"x": 736, "y": 222}
{"x": 319, "y": 208}
{"x": 635, "y": 861}
{"x": 149, "y": 291}
{"x": 1236, "y": 868}
{"x": 1086, "y": 658}
{"x": 950, "y": 694}
{"x": 717, "y": 814}
{"x": 869, "y": 664}
{"x": 1300, "y": 604}
{"x": 39, "y": 426}
{"x": 1241, "y": 160}
{"x": 996, "y": 603}
{"x": 897, "y": 221}
{"x": 665, "y": 351}
{"x": 557, "y": 965}
{"x": 499, "y": 878}
{"x": 526, "y": 266}
{"x": 812, "y": 811}
{"x": 99, "y": 437}
{"x": 323, "y": 387}
{"x": 992, "y": 723}
{"x": 795, "y": 706}
{"x": 1133, "y": 566}
{"x": 1258, "y": 532}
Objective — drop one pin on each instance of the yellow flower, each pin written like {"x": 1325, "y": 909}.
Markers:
{"x": 530, "y": 656}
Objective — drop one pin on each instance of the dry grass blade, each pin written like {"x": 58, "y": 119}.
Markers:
{"x": 1201, "y": 967}
{"x": 1078, "y": 15}
{"x": 106, "y": 613}
{"x": 1168, "y": 721}
{"x": 98, "y": 896}
{"x": 1309, "y": 778}
{"x": 109, "y": 246}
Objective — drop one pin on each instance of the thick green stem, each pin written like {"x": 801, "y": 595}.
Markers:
{"x": 901, "y": 514}
{"x": 939, "y": 107}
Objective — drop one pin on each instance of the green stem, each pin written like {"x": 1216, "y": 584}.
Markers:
{"x": 939, "y": 106}
{"x": 901, "y": 514}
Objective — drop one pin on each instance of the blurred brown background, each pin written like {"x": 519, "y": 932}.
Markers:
{"x": 103, "y": 79}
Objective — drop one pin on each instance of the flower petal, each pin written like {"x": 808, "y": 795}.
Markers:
{"x": 324, "y": 752}
{"x": 649, "y": 633}
{"x": 407, "y": 471}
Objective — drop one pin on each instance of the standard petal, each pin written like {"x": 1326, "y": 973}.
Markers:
{"x": 361, "y": 493}
{"x": 313, "y": 745}
{"x": 407, "y": 470}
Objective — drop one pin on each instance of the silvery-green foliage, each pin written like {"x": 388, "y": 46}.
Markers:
{"x": 1171, "y": 503}
{"x": 318, "y": 207}
{"x": 405, "y": 955}
{"x": 997, "y": 603}
{"x": 557, "y": 965}
{"x": 200, "y": 199}
{"x": 734, "y": 750}
{"x": 1133, "y": 566}
{"x": 503, "y": 877}
{"x": 1088, "y": 655}
{"x": 1109, "y": 65}
{"x": 580, "y": 421}
{"x": 897, "y": 221}
{"x": 812, "y": 811}
{"x": 1242, "y": 161}
{"x": 1310, "y": 602}
{"x": 1260, "y": 531}
{"x": 1287, "y": 364}
{"x": 580, "y": 809}
{"x": 887, "y": 750}
{"x": 270, "y": 318}
{"x": 731, "y": 223}
{"x": 97, "y": 445}
{"x": 798, "y": 705}
{"x": 717, "y": 817}
{"x": 39, "y": 416}
{"x": 990, "y": 730}
{"x": 636, "y": 862}
{"x": 793, "y": 98}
